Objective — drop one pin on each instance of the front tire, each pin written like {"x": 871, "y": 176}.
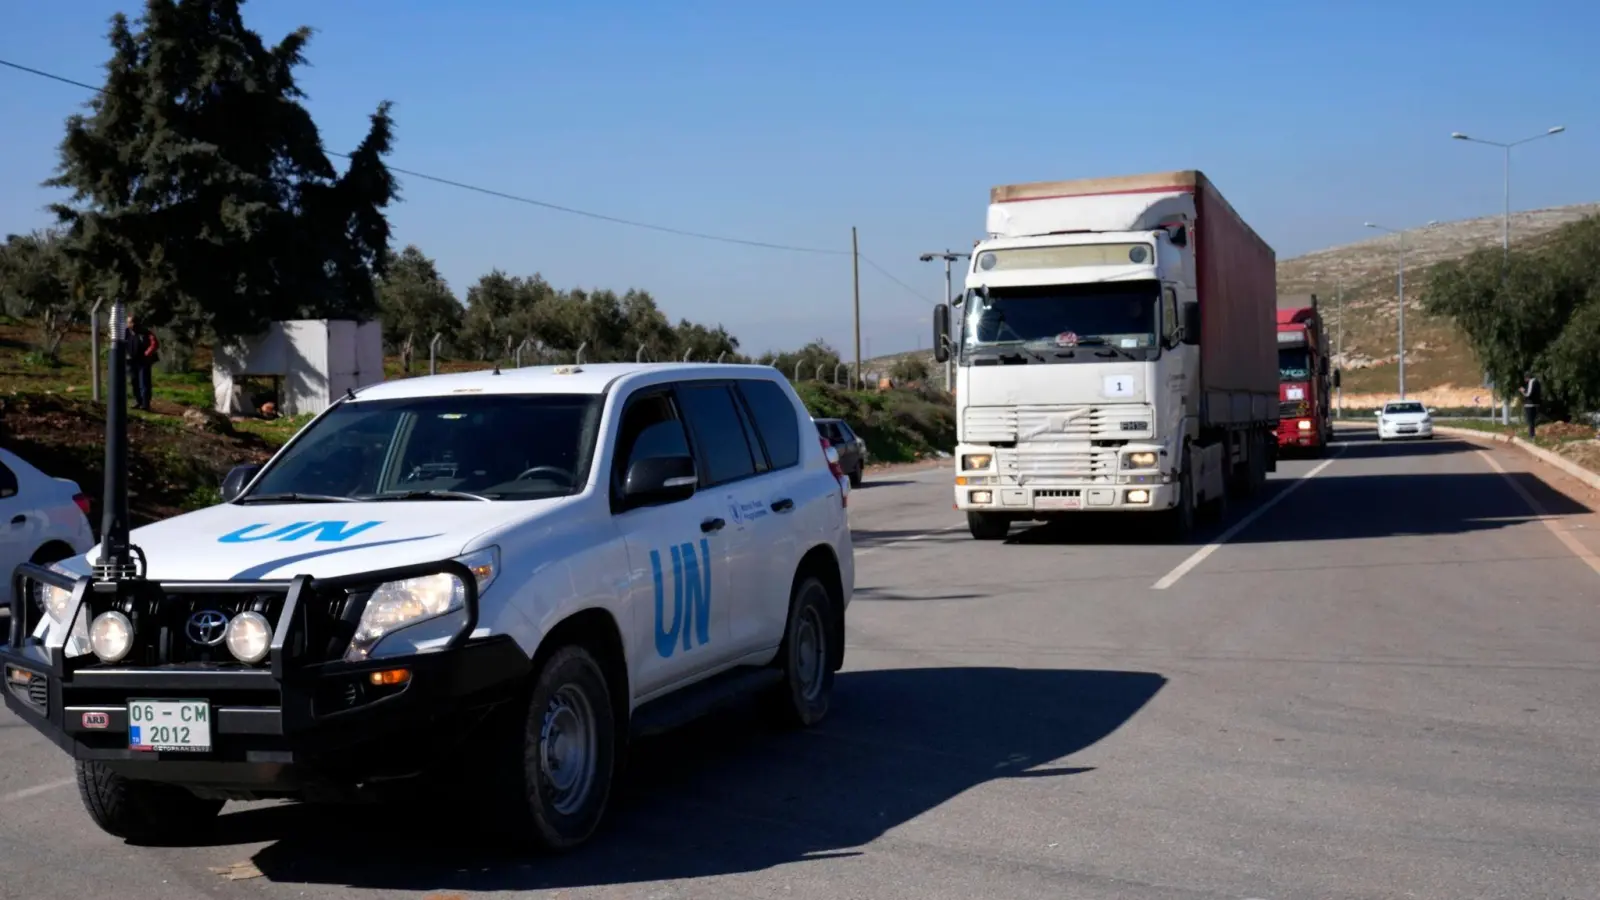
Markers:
{"x": 806, "y": 656}
{"x": 1180, "y": 519}
{"x": 857, "y": 477}
{"x": 565, "y": 754}
{"x": 143, "y": 812}
{"x": 988, "y": 526}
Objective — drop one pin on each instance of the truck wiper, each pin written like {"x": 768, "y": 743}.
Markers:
{"x": 294, "y": 497}
{"x": 426, "y": 495}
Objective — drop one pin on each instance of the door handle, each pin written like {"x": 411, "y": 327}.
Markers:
{"x": 711, "y": 525}
{"x": 781, "y": 506}
{"x": 19, "y": 519}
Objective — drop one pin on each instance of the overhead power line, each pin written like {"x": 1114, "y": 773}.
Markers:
{"x": 544, "y": 204}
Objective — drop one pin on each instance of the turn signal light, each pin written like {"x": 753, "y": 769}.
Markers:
{"x": 390, "y": 677}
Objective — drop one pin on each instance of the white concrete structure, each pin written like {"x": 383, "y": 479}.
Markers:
{"x": 316, "y": 361}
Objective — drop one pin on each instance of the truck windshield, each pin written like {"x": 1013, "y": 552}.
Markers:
{"x": 1294, "y": 364}
{"x": 1058, "y": 318}
{"x": 488, "y": 446}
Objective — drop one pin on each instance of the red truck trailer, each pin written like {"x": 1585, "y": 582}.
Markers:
{"x": 1306, "y": 376}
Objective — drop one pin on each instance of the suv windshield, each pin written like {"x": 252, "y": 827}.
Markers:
{"x": 1394, "y": 408}
{"x": 1294, "y": 364}
{"x": 1059, "y": 318}
{"x": 486, "y": 446}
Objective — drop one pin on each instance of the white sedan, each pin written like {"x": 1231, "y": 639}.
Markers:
{"x": 1404, "y": 419}
{"x": 42, "y": 520}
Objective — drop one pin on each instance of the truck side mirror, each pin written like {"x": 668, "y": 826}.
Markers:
{"x": 1335, "y": 377}
{"x": 941, "y": 332}
{"x": 1191, "y": 324}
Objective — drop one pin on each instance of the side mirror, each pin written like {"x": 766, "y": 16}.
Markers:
{"x": 941, "y": 332}
{"x": 233, "y": 484}
{"x": 659, "y": 479}
{"x": 1335, "y": 377}
{"x": 1191, "y": 324}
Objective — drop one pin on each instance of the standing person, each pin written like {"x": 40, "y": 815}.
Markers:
{"x": 142, "y": 357}
{"x": 1530, "y": 402}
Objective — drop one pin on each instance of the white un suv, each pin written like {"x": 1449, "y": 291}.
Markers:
{"x": 494, "y": 573}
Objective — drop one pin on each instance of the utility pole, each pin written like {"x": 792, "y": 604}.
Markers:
{"x": 948, "y": 256}
{"x": 855, "y": 271}
{"x": 1400, "y": 288}
{"x": 1505, "y": 226}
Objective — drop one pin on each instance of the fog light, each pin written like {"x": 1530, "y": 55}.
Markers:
{"x": 111, "y": 636}
{"x": 1138, "y": 496}
{"x": 389, "y": 677}
{"x": 981, "y": 496}
{"x": 249, "y": 637}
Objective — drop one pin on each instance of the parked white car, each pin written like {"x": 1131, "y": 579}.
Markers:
{"x": 42, "y": 519}
{"x": 1404, "y": 419}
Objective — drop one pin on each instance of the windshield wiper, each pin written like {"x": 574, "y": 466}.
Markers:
{"x": 426, "y": 495}
{"x": 294, "y": 497}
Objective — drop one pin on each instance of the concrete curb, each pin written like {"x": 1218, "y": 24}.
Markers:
{"x": 1566, "y": 465}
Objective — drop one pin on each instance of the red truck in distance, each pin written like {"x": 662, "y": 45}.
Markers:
{"x": 1306, "y": 376}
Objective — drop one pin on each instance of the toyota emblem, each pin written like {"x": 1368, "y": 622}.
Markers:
{"x": 207, "y": 627}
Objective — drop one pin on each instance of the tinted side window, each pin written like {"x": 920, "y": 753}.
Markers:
{"x": 775, "y": 421}
{"x": 719, "y": 433}
{"x": 8, "y": 481}
{"x": 650, "y": 428}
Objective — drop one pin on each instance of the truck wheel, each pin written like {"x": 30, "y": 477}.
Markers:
{"x": 143, "y": 812}
{"x": 988, "y": 526}
{"x": 804, "y": 657}
{"x": 1180, "y": 519}
{"x": 562, "y": 762}
{"x": 856, "y": 477}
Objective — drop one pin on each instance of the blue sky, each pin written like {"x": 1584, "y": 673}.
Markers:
{"x": 792, "y": 123}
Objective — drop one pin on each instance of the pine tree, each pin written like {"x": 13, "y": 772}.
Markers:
{"x": 200, "y": 190}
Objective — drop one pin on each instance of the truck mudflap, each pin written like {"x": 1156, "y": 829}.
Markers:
{"x": 301, "y": 719}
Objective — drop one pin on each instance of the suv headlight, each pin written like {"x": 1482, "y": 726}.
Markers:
{"x": 1139, "y": 459}
{"x": 53, "y": 600}
{"x": 400, "y": 604}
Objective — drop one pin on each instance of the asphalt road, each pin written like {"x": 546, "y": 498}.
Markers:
{"x": 1383, "y": 684}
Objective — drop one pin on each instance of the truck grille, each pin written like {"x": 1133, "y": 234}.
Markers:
{"x": 1032, "y": 462}
{"x": 1004, "y": 424}
{"x": 1293, "y": 408}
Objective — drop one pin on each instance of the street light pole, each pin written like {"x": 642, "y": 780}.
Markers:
{"x": 1400, "y": 282}
{"x": 948, "y": 256}
{"x": 1505, "y": 226}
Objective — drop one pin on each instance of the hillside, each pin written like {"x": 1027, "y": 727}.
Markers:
{"x": 1439, "y": 366}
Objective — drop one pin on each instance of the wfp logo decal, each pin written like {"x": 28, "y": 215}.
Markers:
{"x": 325, "y": 532}
{"x": 691, "y": 597}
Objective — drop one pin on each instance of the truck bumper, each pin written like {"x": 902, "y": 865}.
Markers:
{"x": 1291, "y": 435}
{"x": 288, "y": 727}
{"x": 1043, "y": 499}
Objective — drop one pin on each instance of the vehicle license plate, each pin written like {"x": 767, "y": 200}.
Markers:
{"x": 183, "y": 725}
{"x": 1057, "y": 502}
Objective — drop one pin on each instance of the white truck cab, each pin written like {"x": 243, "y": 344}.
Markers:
{"x": 503, "y": 573}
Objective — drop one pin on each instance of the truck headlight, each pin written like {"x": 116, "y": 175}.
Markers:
{"x": 1305, "y": 425}
{"x": 398, "y": 604}
{"x": 1142, "y": 459}
{"x": 976, "y": 461}
{"x": 111, "y": 636}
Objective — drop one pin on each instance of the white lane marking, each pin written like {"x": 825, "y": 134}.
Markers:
{"x": 35, "y": 791}
{"x": 1199, "y": 556}
{"x": 1543, "y": 515}
{"x": 912, "y": 539}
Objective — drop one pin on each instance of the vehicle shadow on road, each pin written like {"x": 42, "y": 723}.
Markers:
{"x": 726, "y": 796}
{"x": 863, "y": 538}
{"x": 884, "y": 482}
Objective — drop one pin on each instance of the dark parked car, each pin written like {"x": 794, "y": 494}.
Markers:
{"x": 852, "y": 449}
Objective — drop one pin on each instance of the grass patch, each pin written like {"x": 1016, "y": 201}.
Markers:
{"x": 899, "y": 425}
